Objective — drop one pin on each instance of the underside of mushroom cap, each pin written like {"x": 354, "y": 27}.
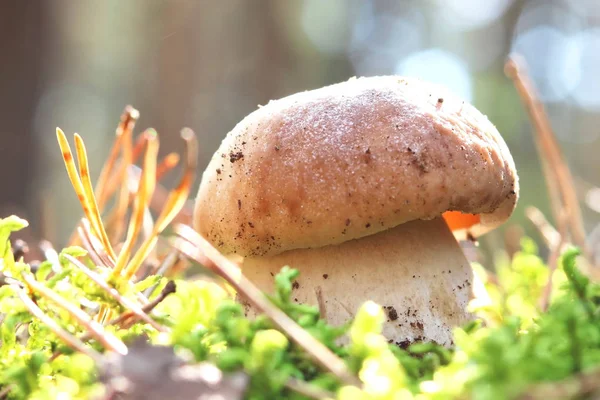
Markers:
{"x": 352, "y": 159}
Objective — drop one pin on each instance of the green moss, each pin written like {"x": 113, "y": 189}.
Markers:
{"x": 513, "y": 346}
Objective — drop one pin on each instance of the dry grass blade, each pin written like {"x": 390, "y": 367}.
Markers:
{"x": 131, "y": 153}
{"x": 160, "y": 198}
{"x": 125, "y": 302}
{"x": 195, "y": 247}
{"x": 96, "y": 245}
{"x": 123, "y": 133}
{"x": 87, "y": 245}
{"x": 145, "y": 189}
{"x": 138, "y": 148}
{"x": 96, "y": 221}
{"x": 69, "y": 339}
{"x": 169, "y": 162}
{"x": 556, "y": 169}
{"x": 546, "y": 230}
{"x": 173, "y": 205}
{"x": 109, "y": 341}
{"x": 117, "y": 217}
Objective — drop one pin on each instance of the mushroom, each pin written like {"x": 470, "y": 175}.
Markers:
{"x": 365, "y": 187}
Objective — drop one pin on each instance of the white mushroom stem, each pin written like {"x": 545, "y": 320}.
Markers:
{"x": 416, "y": 271}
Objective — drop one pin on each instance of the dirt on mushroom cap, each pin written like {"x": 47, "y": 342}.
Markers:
{"x": 349, "y": 160}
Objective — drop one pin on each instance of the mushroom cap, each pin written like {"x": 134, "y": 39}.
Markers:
{"x": 352, "y": 159}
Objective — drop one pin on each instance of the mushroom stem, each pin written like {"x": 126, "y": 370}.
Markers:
{"x": 416, "y": 271}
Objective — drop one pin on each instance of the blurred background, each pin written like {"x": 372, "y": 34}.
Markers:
{"x": 205, "y": 65}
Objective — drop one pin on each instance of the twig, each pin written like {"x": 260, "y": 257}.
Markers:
{"x": 195, "y": 247}
{"x": 107, "y": 339}
{"x": 549, "y": 151}
{"x": 125, "y": 302}
{"x": 128, "y": 318}
{"x": 169, "y": 288}
{"x": 166, "y": 264}
{"x": 69, "y": 339}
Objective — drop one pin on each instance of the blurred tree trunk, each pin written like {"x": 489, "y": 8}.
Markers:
{"x": 215, "y": 60}
{"x": 20, "y": 48}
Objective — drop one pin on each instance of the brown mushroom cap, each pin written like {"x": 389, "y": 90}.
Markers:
{"x": 352, "y": 159}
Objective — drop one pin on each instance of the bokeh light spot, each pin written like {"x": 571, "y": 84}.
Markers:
{"x": 551, "y": 59}
{"x": 439, "y": 66}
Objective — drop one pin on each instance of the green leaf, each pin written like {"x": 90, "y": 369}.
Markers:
{"x": 9, "y": 225}
{"x": 147, "y": 282}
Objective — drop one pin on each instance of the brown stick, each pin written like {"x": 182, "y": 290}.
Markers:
{"x": 195, "y": 247}
{"x": 556, "y": 169}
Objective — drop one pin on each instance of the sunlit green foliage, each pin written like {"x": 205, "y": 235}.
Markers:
{"x": 514, "y": 345}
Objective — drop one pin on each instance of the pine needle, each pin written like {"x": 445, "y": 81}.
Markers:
{"x": 123, "y": 133}
{"x": 173, "y": 205}
{"x": 145, "y": 190}
{"x": 95, "y": 218}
